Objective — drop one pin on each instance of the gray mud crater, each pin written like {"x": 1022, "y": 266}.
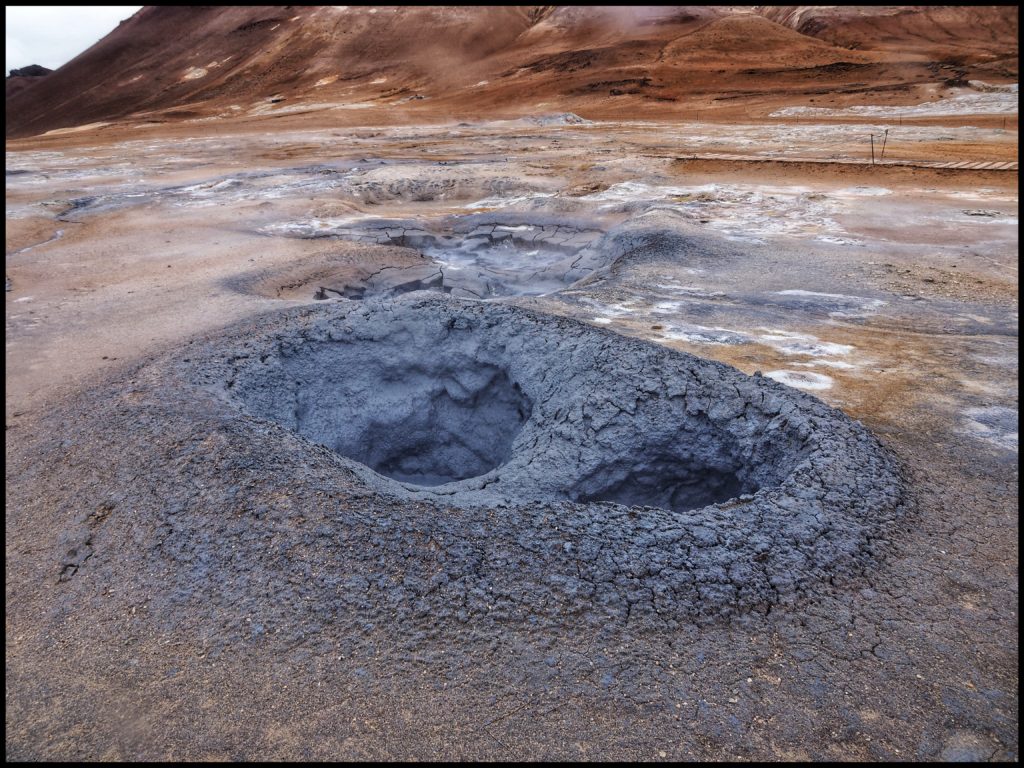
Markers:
{"x": 613, "y": 476}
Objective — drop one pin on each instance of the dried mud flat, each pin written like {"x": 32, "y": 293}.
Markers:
{"x": 213, "y": 554}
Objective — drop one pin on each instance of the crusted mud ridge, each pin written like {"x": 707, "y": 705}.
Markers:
{"x": 428, "y": 461}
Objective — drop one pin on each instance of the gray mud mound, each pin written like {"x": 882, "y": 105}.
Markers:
{"x": 479, "y": 256}
{"x": 430, "y": 463}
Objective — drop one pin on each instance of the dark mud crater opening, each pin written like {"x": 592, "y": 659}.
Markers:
{"x": 430, "y": 420}
{"x": 676, "y": 481}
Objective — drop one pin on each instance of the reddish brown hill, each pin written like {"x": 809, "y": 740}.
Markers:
{"x": 410, "y": 63}
{"x": 966, "y": 34}
{"x": 20, "y": 79}
{"x": 199, "y": 60}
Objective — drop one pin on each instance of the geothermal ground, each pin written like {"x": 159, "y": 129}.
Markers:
{"x": 428, "y": 441}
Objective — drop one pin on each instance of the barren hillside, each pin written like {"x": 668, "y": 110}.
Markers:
{"x": 414, "y": 63}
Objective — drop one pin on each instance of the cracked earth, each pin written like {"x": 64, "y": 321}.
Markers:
{"x": 209, "y": 559}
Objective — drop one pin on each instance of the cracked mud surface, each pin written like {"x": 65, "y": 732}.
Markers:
{"x": 189, "y": 577}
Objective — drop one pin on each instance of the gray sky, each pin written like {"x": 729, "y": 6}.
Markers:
{"x": 53, "y": 35}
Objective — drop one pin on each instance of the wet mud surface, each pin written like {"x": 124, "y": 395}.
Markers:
{"x": 437, "y": 448}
